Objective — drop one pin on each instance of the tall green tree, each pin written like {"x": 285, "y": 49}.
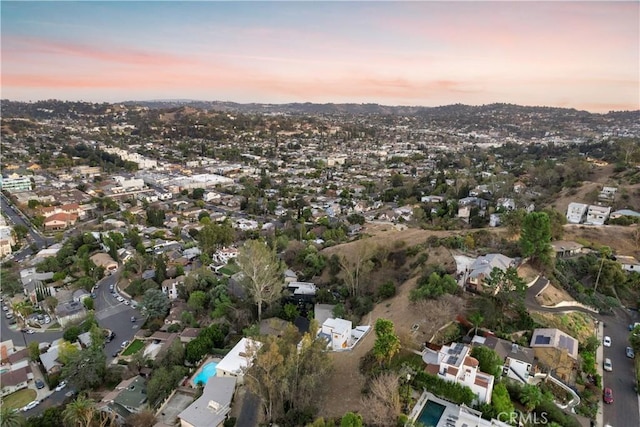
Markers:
{"x": 155, "y": 303}
{"x": 531, "y": 396}
{"x": 535, "y": 238}
{"x": 387, "y": 343}
{"x": 263, "y": 273}
{"x": 489, "y": 361}
{"x": 501, "y": 402}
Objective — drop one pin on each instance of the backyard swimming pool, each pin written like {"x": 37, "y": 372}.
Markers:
{"x": 207, "y": 371}
{"x": 431, "y": 413}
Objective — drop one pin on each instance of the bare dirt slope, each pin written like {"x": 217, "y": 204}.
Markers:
{"x": 619, "y": 238}
{"x": 345, "y": 385}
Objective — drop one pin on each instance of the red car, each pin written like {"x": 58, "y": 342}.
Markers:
{"x": 608, "y": 395}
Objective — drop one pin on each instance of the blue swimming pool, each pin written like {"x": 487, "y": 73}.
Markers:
{"x": 431, "y": 414}
{"x": 208, "y": 371}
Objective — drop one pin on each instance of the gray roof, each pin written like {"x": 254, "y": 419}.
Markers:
{"x": 506, "y": 349}
{"x": 134, "y": 396}
{"x": 50, "y": 358}
{"x": 212, "y": 407}
{"x": 486, "y": 263}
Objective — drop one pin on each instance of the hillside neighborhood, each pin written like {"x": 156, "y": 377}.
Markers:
{"x": 211, "y": 264}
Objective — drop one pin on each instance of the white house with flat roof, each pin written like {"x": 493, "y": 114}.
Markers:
{"x": 238, "y": 359}
{"x": 576, "y": 213}
{"x": 337, "y": 333}
{"x": 597, "y": 215}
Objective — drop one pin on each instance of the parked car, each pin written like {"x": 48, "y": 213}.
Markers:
{"x": 125, "y": 344}
{"x": 30, "y": 331}
{"x": 607, "y": 365}
{"x": 607, "y": 341}
{"x": 30, "y": 405}
{"x": 47, "y": 319}
{"x": 607, "y": 395}
{"x": 39, "y": 384}
{"x": 630, "y": 353}
{"x": 133, "y": 318}
{"x": 116, "y": 353}
{"x": 5, "y": 308}
{"x": 62, "y": 385}
{"x": 8, "y": 315}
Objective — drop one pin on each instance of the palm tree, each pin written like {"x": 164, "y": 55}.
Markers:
{"x": 11, "y": 418}
{"x": 476, "y": 320}
{"x": 79, "y": 413}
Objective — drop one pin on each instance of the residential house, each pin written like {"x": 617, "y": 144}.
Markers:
{"x": 79, "y": 295}
{"x": 31, "y": 280}
{"x": 69, "y": 208}
{"x": 170, "y": 287}
{"x": 481, "y": 269}
{"x": 238, "y": 359}
{"x": 519, "y": 187}
{"x": 60, "y": 221}
{"x": 222, "y": 256}
{"x": 576, "y": 213}
{"x": 210, "y": 409}
{"x": 432, "y": 199}
{"x": 302, "y": 291}
{"x": 597, "y": 215}
{"x": 564, "y": 248}
{"x": 12, "y": 381}
{"x": 506, "y": 203}
{"x": 175, "y": 312}
{"x": 189, "y": 334}
{"x": 104, "y": 260}
{"x": 557, "y": 351}
{"x": 454, "y": 363}
{"x": 624, "y": 212}
{"x": 160, "y": 343}
{"x": 628, "y": 263}
{"x": 69, "y": 312}
{"x": 128, "y": 398}
{"x": 519, "y": 362}
{"x": 607, "y": 194}
{"x": 464, "y": 213}
{"x": 337, "y": 333}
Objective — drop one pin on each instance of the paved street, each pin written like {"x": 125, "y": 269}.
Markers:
{"x": 16, "y": 217}
{"x": 624, "y": 410}
{"x": 115, "y": 315}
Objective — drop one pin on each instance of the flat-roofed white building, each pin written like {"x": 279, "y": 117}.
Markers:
{"x": 576, "y": 213}
{"x": 238, "y": 359}
{"x": 597, "y": 215}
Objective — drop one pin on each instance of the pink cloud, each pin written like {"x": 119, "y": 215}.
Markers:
{"x": 16, "y": 48}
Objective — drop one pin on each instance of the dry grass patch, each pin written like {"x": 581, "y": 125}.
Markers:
{"x": 527, "y": 273}
{"x": 579, "y": 325}
{"x": 552, "y": 296}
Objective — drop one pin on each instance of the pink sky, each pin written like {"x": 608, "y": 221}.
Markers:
{"x": 582, "y": 55}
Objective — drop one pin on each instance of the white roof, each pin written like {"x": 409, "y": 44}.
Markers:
{"x": 238, "y": 358}
{"x": 338, "y": 325}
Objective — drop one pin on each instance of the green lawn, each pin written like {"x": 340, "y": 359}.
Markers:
{"x": 229, "y": 270}
{"x": 18, "y": 399}
{"x": 133, "y": 348}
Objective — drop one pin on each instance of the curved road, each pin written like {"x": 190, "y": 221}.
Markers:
{"x": 625, "y": 409}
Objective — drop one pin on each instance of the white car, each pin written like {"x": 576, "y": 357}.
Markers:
{"x": 30, "y": 405}
{"x": 607, "y": 341}
{"x": 30, "y": 331}
{"x": 125, "y": 344}
{"x": 126, "y": 302}
{"x": 607, "y": 365}
{"x": 62, "y": 385}
{"x": 120, "y": 299}
{"x": 47, "y": 319}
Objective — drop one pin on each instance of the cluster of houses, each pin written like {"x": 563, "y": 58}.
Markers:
{"x": 550, "y": 353}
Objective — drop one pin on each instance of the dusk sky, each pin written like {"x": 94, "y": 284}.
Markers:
{"x": 583, "y": 55}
